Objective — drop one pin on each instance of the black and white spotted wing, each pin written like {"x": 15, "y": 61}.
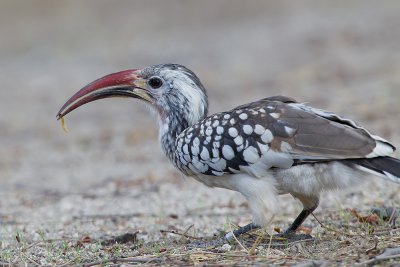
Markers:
{"x": 273, "y": 132}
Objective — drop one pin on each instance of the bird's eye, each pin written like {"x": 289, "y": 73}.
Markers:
{"x": 155, "y": 82}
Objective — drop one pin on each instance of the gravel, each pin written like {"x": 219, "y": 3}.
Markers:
{"x": 108, "y": 176}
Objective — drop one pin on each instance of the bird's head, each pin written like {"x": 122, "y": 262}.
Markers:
{"x": 170, "y": 89}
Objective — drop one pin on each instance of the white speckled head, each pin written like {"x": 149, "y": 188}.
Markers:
{"x": 177, "y": 91}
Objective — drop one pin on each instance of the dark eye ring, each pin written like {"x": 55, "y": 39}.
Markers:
{"x": 155, "y": 82}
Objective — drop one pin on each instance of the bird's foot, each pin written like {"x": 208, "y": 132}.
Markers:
{"x": 229, "y": 237}
{"x": 286, "y": 237}
{"x": 291, "y": 236}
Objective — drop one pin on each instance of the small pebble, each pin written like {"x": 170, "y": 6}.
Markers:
{"x": 226, "y": 247}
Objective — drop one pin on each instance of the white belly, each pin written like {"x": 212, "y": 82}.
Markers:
{"x": 302, "y": 181}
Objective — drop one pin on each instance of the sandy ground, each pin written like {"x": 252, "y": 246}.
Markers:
{"x": 338, "y": 55}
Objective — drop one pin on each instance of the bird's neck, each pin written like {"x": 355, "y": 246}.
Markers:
{"x": 170, "y": 128}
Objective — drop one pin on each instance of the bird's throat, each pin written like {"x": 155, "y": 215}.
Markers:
{"x": 170, "y": 128}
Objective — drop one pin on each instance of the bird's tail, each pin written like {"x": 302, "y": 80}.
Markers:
{"x": 386, "y": 167}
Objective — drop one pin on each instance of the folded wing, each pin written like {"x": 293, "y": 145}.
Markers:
{"x": 273, "y": 132}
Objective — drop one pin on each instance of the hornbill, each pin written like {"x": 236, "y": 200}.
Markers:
{"x": 262, "y": 149}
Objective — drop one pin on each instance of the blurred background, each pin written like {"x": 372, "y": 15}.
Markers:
{"x": 342, "y": 56}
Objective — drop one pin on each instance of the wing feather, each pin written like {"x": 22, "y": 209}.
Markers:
{"x": 299, "y": 134}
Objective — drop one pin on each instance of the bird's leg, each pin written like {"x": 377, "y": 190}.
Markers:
{"x": 310, "y": 203}
{"x": 298, "y": 221}
{"x": 240, "y": 231}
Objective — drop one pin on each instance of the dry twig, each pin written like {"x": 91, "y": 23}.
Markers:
{"x": 387, "y": 231}
{"x": 253, "y": 248}
{"x": 181, "y": 234}
{"x": 376, "y": 240}
{"x": 121, "y": 260}
{"x": 187, "y": 230}
{"x": 240, "y": 244}
{"x": 388, "y": 254}
{"x": 331, "y": 229}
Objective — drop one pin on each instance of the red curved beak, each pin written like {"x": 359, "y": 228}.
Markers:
{"x": 125, "y": 83}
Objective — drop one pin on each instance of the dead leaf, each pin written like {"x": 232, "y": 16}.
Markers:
{"x": 199, "y": 257}
{"x": 388, "y": 214}
{"x": 121, "y": 239}
{"x": 305, "y": 230}
{"x": 371, "y": 219}
{"x": 84, "y": 240}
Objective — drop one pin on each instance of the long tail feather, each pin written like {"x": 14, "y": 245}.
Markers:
{"x": 387, "y": 167}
